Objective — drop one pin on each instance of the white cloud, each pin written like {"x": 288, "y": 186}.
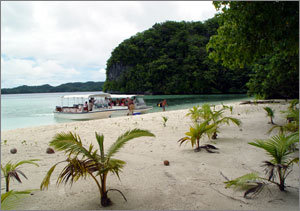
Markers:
{"x": 34, "y": 73}
{"x": 77, "y": 37}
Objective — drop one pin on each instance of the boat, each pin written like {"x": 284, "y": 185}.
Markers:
{"x": 103, "y": 105}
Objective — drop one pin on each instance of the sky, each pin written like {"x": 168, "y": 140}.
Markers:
{"x": 48, "y": 42}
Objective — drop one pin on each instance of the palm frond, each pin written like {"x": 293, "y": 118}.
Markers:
{"x": 14, "y": 174}
{"x": 269, "y": 111}
{"x": 31, "y": 161}
{"x": 10, "y": 199}
{"x": 244, "y": 182}
{"x": 205, "y": 112}
{"x": 70, "y": 143}
{"x": 182, "y": 140}
{"x": 227, "y": 120}
{"x": 76, "y": 169}
{"x": 100, "y": 140}
{"x": 293, "y": 103}
{"x": 46, "y": 181}
{"x": 277, "y": 146}
{"x": 270, "y": 170}
{"x": 115, "y": 166}
{"x": 194, "y": 113}
{"x": 127, "y": 136}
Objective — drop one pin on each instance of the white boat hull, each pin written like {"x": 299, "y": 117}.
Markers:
{"x": 84, "y": 116}
{"x": 124, "y": 111}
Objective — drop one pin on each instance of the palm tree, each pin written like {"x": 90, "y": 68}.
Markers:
{"x": 11, "y": 171}
{"x": 194, "y": 113}
{"x": 292, "y": 115}
{"x": 217, "y": 119}
{"x": 165, "y": 119}
{"x": 270, "y": 113}
{"x": 91, "y": 163}
{"x": 195, "y": 134}
{"x": 278, "y": 147}
{"x": 205, "y": 112}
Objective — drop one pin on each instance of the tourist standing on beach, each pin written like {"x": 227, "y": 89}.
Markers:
{"x": 130, "y": 106}
{"x": 164, "y": 104}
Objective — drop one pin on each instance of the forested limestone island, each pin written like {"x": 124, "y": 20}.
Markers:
{"x": 68, "y": 87}
{"x": 248, "y": 47}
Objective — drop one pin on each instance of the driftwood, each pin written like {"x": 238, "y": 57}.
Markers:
{"x": 260, "y": 102}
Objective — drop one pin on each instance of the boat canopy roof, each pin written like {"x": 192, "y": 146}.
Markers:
{"x": 87, "y": 95}
{"x": 125, "y": 96}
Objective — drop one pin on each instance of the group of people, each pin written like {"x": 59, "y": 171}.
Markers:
{"x": 89, "y": 106}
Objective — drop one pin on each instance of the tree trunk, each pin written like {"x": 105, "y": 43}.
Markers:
{"x": 7, "y": 183}
{"x": 214, "y": 135}
{"x": 281, "y": 180}
{"x": 105, "y": 201}
{"x": 272, "y": 121}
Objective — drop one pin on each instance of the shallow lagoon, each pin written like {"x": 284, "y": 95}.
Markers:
{"x": 27, "y": 110}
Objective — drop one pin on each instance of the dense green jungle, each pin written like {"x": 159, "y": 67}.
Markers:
{"x": 248, "y": 47}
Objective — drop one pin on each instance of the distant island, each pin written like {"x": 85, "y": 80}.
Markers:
{"x": 67, "y": 87}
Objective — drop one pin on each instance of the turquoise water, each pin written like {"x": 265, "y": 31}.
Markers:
{"x": 27, "y": 110}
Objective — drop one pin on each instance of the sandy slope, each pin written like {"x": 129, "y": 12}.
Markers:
{"x": 191, "y": 182}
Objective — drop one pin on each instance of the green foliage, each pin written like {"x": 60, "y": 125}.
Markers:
{"x": 244, "y": 182}
{"x": 216, "y": 119}
{"x": 279, "y": 149}
{"x": 292, "y": 116}
{"x": 91, "y": 163}
{"x": 68, "y": 87}
{"x": 171, "y": 58}
{"x": 194, "y": 113}
{"x": 10, "y": 199}
{"x": 196, "y": 133}
{"x": 251, "y": 182}
{"x": 11, "y": 171}
{"x": 265, "y": 37}
{"x": 270, "y": 113}
{"x": 165, "y": 119}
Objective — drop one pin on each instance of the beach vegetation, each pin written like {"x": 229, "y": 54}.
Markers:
{"x": 10, "y": 199}
{"x": 270, "y": 113}
{"x": 277, "y": 169}
{"x": 195, "y": 134}
{"x": 227, "y": 107}
{"x": 216, "y": 118}
{"x": 165, "y": 119}
{"x": 11, "y": 171}
{"x": 194, "y": 113}
{"x": 83, "y": 162}
{"x": 292, "y": 116}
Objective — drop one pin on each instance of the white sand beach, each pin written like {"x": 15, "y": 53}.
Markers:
{"x": 192, "y": 181}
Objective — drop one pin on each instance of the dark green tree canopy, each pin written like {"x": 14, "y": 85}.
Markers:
{"x": 171, "y": 58}
{"x": 249, "y": 30}
{"x": 265, "y": 37}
